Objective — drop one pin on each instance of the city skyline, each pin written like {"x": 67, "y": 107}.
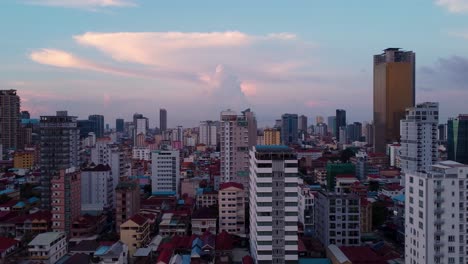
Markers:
{"x": 175, "y": 58}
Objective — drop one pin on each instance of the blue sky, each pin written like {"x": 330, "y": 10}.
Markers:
{"x": 195, "y": 58}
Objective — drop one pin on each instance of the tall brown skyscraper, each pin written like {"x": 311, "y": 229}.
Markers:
{"x": 394, "y": 91}
{"x": 9, "y": 118}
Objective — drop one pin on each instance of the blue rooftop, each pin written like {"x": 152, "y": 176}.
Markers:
{"x": 19, "y": 204}
{"x": 33, "y": 200}
{"x": 399, "y": 198}
{"x": 186, "y": 259}
{"x": 164, "y": 193}
{"x": 29, "y": 121}
{"x": 6, "y": 191}
{"x": 101, "y": 250}
{"x": 273, "y": 148}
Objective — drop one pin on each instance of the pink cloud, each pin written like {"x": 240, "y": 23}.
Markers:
{"x": 248, "y": 88}
{"x": 84, "y": 3}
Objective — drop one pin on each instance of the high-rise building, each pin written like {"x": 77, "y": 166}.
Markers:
{"x": 435, "y": 214}
{"x": 369, "y": 133}
{"x": 319, "y": 119}
{"x": 442, "y": 132}
{"x": 209, "y": 133}
{"x": 66, "y": 199}
{"x": 112, "y": 155}
{"x": 458, "y": 139}
{"x": 394, "y": 91}
{"x": 235, "y": 136}
{"x": 338, "y": 218}
{"x": 119, "y": 125}
{"x": 321, "y": 129}
{"x": 343, "y": 137}
{"x": 302, "y": 123}
{"x": 86, "y": 127}
{"x": 127, "y": 196}
{"x": 9, "y": 118}
{"x": 289, "y": 129}
{"x": 271, "y": 136}
{"x": 25, "y": 115}
{"x": 97, "y": 189}
{"x": 231, "y": 203}
{"x": 141, "y": 125}
{"x": 331, "y": 124}
{"x": 165, "y": 167}
{"x": 273, "y": 204}
{"x": 162, "y": 119}
{"x": 354, "y": 132}
{"x": 419, "y": 137}
{"x": 98, "y": 125}
{"x": 340, "y": 121}
{"x": 59, "y": 149}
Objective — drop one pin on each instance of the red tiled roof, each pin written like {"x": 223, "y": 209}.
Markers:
{"x": 376, "y": 154}
{"x": 393, "y": 187}
{"x": 9, "y": 203}
{"x": 165, "y": 256}
{"x": 205, "y": 213}
{"x": 138, "y": 219}
{"x": 362, "y": 255}
{"x": 247, "y": 260}
{"x": 224, "y": 241}
{"x": 42, "y": 215}
{"x": 226, "y": 185}
{"x": 6, "y": 243}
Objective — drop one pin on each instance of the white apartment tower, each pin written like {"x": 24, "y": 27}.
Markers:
{"x": 110, "y": 154}
{"x": 209, "y": 133}
{"x": 436, "y": 215}
{"x": 231, "y": 203}
{"x": 238, "y": 134}
{"x": 419, "y": 137}
{"x": 97, "y": 188}
{"x": 165, "y": 176}
{"x": 273, "y": 204}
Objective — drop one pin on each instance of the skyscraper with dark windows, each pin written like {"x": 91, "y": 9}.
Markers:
{"x": 119, "y": 125}
{"x": 9, "y": 118}
{"x": 59, "y": 150}
{"x": 340, "y": 121}
{"x": 457, "y": 139}
{"x": 289, "y": 129}
{"x": 162, "y": 120}
{"x": 394, "y": 91}
{"x": 98, "y": 124}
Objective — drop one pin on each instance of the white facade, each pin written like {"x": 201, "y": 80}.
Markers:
{"x": 48, "y": 247}
{"x": 419, "y": 137}
{"x": 234, "y": 138}
{"x": 306, "y": 211}
{"x": 97, "y": 193}
{"x": 165, "y": 168}
{"x": 231, "y": 203}
{"x": 436, "y": 226}
{"x": 141, "y": 153}
{"x": 141, "y": 126}
{"x": 273, "y": 204}
{"x": 109, "y": 154}
{"x": 209, "y": 133}
{"x": 115, "y": 254}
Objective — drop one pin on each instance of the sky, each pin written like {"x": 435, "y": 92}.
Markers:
{"x": 197, "y": 58}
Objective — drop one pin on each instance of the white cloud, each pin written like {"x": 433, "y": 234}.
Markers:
{"x": 454, "y": 6}
{"x": 84, "y": 3}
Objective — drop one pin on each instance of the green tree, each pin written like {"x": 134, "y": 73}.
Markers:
{"x": 374, "y": 186}
{"x": 347, "y": 154}
{"x": 379, "y": 214}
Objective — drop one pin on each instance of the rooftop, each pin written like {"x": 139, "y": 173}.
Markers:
{"x": 45, "y": 239}
{"x": 273, "y": 148}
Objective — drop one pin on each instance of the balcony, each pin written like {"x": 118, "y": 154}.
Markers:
{"x": 439, "y": 222}
{"x": 438, "y": 211}
{"x": 439, "y": 232}
{"x": 439, "y": 243}
{"x": 439, "y": 200}
{"x": 439, "y": 254}
{"x": 438, "y": 188}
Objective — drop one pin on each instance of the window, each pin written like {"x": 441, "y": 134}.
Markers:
{"x": 451, "y": 249}
{"x": 451, "y": 238}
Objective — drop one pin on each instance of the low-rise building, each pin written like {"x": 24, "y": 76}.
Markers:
{"x": 127, "y": 201}
{"x": 204, "y": 219}
{"x": 231, "y": 202}
{"x": 135, "y": 233}
{"x": 174, "y": 224}
{"x": 116, "y": 253}
{"x": 7, "y": 247}
{"x": 207, "y": 199}
{"x": 306, "y": 208}
{"x": 48, "y": 247}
